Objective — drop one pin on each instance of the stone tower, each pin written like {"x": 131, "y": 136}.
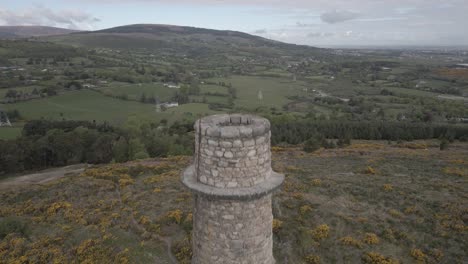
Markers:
{"x": 232, "y": 182}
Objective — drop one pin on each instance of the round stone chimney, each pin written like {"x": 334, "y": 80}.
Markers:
{"x": 232, "y": 182}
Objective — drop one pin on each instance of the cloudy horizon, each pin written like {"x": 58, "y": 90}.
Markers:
{"x": 315, "y": 23}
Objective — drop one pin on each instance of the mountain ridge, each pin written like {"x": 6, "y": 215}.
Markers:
{"x": 182, "y": 40}
{"x": 8, "y": 32}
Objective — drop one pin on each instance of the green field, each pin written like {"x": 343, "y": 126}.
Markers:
{"x": 187, "y": 111}
{"x": 82, "y": 105}
{"x": 274, "y": 90}
{"x": 9, "y": 132}
{"x": 90, "y": 105}
{"x": 135, "y": 91}
{"x": 211, "y": 88}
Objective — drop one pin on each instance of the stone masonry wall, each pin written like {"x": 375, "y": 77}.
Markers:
{"x": 233, "y": 154}
{"x": 232, "y": 180}
{"x": 232, "y": 232}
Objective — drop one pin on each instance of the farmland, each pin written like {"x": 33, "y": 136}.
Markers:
{"x": 82, "y": 105}
{"x": 97, "y": 79}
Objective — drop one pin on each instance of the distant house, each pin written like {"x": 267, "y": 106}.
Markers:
{"x": 170, "y": 104}
{"x": 88, "y": 85}
{"x": 172, "y": 85}
{"x": 164, "y": 106}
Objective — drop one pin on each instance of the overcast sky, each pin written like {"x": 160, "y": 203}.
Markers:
{"x": 311, "y": 22}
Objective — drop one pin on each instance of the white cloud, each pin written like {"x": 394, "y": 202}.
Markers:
{"x": 41, "y": 15}
{"x": 320, "y": 35}
{"x": 260, "y": 31}
{"x": 337, "y": 16}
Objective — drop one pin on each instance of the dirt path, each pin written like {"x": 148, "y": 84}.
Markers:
{"x": 41, "y": 177}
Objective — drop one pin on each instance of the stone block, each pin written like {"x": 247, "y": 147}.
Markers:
{"x": 229, "y": 132}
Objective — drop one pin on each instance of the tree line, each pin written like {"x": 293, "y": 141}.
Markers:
{"x": 45, "y": 143}
{"x": 296, "y": 131}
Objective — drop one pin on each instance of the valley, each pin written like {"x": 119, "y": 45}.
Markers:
{"x": 373, "y": 144}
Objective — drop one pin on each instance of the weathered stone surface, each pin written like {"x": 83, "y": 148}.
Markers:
{"x": 232, "y": 181}
{"x": 234, "y": 152}
{"x": 232, "y": 232}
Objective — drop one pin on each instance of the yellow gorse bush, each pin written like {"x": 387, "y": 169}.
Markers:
{"x": 277, "y": 149}
{"x": 376, "y": 258}
{"x": 350, "y": 241}
{"x": 316, "y": 182}
{"x": 461, "y": 172}
{"x": 371, "y": 239}
{"x": 369, "y": 170}
{"x": 320, "y": 232}
{"x": 312, "y": 259}
{"x": 55, "y": 207}
{"x": 175, "y": 216}
{"x": 395, "y": 213}
{"x": 305, "y": 209}
{"x": 418, "y": 255}
{"x": 276, "y": 225}
{"x": 387, "y": 187}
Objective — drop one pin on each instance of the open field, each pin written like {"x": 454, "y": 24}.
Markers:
{"x": 82, "y": 105}
{"x": 10, "y": 132}
{"x": 274, "y": 90}
{"x": 135, "y": 91}
{"x": 89, "y": 105}
{"x": 365, "y": 203}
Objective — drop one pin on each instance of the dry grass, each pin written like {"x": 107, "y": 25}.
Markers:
{"x": 412, "y": 209}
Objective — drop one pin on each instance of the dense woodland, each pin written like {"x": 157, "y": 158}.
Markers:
{"x": 45, "y": 144}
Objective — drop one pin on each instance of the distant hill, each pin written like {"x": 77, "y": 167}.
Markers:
{"x": 190, "y": 41}
{"x": 9, "y": 32}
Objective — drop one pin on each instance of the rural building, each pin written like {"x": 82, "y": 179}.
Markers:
{"x": 169, "y": 105}
{"x": 172, "y": 85}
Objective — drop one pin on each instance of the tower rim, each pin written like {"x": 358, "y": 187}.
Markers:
{"x": 272, "y": 183}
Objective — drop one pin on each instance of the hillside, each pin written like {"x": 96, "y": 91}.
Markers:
{"x": 9, "y": 32}
{"x": 189, "y": 41}
{"x": 370, "y": 202}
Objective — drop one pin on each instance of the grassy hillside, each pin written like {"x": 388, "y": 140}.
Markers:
{"x": 187, "y": 40}
{"x": 31, "y": 31}
{"x": 368, "y": 203}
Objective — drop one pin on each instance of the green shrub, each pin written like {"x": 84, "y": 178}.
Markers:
{"x": 312, "y": 144}
{"x": 12, "y": 224}
{"x": 443, "y": 144}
